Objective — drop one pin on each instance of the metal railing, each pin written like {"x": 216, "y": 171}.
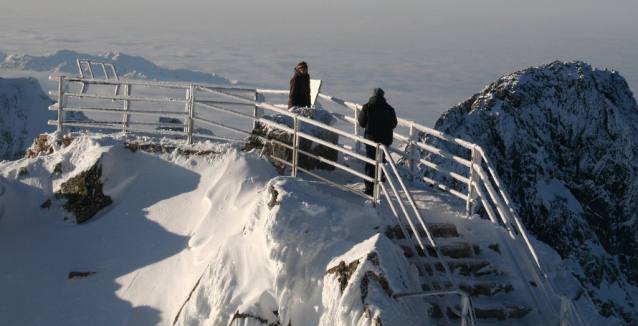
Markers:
{"x": 478, "y": 177}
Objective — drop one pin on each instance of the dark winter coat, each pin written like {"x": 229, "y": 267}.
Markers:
{"x": 379, "y": 119}
{"x": 299, "y": 90}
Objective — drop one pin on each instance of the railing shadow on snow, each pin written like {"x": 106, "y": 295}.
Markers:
{"x": 203, "y": 107}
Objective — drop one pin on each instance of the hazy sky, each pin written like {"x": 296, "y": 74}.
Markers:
{"x": 428, "y": 55}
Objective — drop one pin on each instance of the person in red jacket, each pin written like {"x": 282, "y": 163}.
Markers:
{"x": 379, "y": 120}
{"x": 300, "y": 87}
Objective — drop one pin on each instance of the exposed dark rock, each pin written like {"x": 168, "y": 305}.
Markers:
{"x": 58, "y": 168}
{"x": 80, "y": 274}
{"x": 273, "y": 198}
{"x": 344, "y": 272}
{"x": 239, "y": 315}
{"x": 84, "y": 194}
{"x": 46, "y": 204}
{"x": 158, "y": 148}
{"x": 40, "y": 146}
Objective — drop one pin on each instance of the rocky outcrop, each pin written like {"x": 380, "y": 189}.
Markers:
{"x": 272, "y": 149}
{"x": 83, "y": 194}
{"x": 40, "y": 145}
{"x": 563, "y": 138}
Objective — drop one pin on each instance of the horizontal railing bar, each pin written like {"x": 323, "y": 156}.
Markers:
{"x": 222, "y": 103}
{"x": 219, "y": 108}
{"x": 281, "y": 160}
{"x": 337, "y": 165}
{"x": 275, "y": 125}
{"x": 169, "y": 114}
{"x": 438, "y": 185}
{"x": 96, "y": 81}
{"x": 445, "y": 171}
{"x": 444, "y": 154}
{"x": 223, "y": 91}
{"x": 119, "y": 126}
{"x": 121, "y": 97}
{"x": 222, "y": 126}
{"x": 429, "y": 293}
{"x": 337, "y": 131}
{"x": 218, "y": 137}
{"x": 438, "y": 134}
{"x": 119, "y": 123}
{"x": 337, "y": 147}
{"x": 274, "y": 92}
{"x": 350, "y": 105}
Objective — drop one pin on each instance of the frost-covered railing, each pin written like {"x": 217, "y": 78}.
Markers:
{"x": 195, "y": 104}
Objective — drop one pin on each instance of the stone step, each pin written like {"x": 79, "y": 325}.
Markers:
{"x": 455, "y": 249}
{"x": 438, "y": 230}
{"x": 476, "y": 289}
{"x": 470, "y": 268}
{"x": 499, "y": 312}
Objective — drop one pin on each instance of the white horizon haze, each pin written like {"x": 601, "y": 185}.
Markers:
{"x": 427, "y": 55}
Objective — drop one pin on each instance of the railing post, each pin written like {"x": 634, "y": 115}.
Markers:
{"x": 61, "y": 103}
{"x": 473, "y": 182}
{"x": 357, "y": 129}
{"x": 126, "y": 119}
{"x": 378, "y": 172}
{"x": 295, "y": 146}
{"x": 256, "y": 110}
{"x": 412, "y": 144}
{"x": 191, "y": 112}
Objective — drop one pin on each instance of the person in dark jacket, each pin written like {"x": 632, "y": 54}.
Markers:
{"x": 300, "y": 87}
{"x": 379, "y": 120}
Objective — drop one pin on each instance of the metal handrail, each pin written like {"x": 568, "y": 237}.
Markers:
{"x": 507, "y": 213}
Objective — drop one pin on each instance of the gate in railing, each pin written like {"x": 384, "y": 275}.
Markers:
{"x": 214, "y": 101}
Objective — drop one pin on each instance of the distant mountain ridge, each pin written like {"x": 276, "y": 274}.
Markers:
{"x": 23, "y": 115}
{"x": 564, "y": 139}
{"x": 127, "y": 66}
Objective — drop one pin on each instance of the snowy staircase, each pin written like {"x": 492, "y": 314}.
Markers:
{"x": 497, "y": 297}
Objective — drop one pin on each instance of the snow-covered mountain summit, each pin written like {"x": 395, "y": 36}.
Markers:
{"x": 64, "y": 61}
{"x": 563, "y": 137}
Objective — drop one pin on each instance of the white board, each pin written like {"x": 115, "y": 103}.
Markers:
{"x": 315, "y": 88}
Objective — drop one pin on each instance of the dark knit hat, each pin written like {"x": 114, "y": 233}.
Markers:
{"x": 378, "y": 92}
{"x": 302, "y": 64}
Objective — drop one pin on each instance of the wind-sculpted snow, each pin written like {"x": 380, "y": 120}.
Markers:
{"x": 23, "y": 115}
{"x": 563, "y": 138}
{"x": 65, "y": 61}
{"x": 280, "y": 269}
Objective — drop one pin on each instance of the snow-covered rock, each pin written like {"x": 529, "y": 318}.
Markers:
{"x": 23, "y": 115}
{"x": 563, "y": 138}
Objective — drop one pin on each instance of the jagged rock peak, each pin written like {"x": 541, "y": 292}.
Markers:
{"x": 522, "y": 87}
{"x": 563, "y": 137}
